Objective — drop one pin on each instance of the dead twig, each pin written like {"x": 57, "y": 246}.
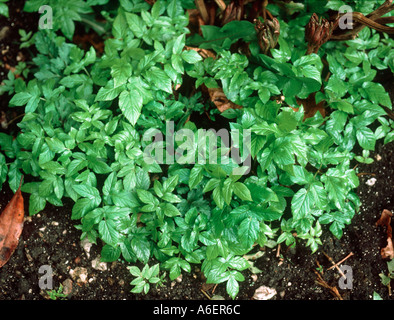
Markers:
{"x": 200, "y": 4}
{"x": 278, "y": 251}
{"x": 320, "y": 281}
{"x": 214, "y": 288}
{"x": 375, "y": 17}
{"x": 221, "y": 4}
{"x": 365, "y": 174}
{"x": 205, "y": 294}
{"x": 334, "y": 265}
{"x": 340, "y": 262}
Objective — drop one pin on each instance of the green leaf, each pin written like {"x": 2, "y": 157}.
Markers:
{"x": 146, "y": 196}
{"x": 232, "y": 286}
{"x": 20, "y": 99}
{"x": 248, "y": 231}
{"x": 87, "y": 191}
{"x": 98, "y": 166}
{"x": 159, "y": 78}
{"x": 301, "y": 203}
{"x": 130, "y": 102}
{"x": 227, "y": 190}
{"x": 178, "y": 44}
{"x": 211, "y": 184}
{"x": 170, "y": 210}
{"x": 141, "y": 247}
{"x": 242, "y": 191}
{"x": 125, "y": 198}
{"x": 191, "y": 56}
{"x": 120, "y": 71}
{"x": 196, "y": 175}
{"x": 108, "y": 232}
{"x": 4, "y": 10}
{"x": 376, "y": 93}
{"x": 136, "y": 24}
{"x": 335, "y": 184}
{"x": 110, "y": 253}
{"x": 366, "y": 138}
{"x": 36, "y": 204}
{"x": 218, "y": 197}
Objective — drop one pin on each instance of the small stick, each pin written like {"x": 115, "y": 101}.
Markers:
{"x": 365, "y": 174}
{"x": 338, "y": 263}
{"x": 205, "y": 294}
{"x": 221, "y": 4}
{"x": 214, "y": 288}
{"x": 278, "y": 251}
{"x": 200, "y": 4}
{"x": 324, "y": 284}
{"x": 334, "y": 265}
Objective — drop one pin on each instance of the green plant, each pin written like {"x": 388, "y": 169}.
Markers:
{"x": 146, "y": 277}
{"x": 57, "y": 294}
{"x": 90, "y": 120}
{"x": 4, "y": 8}
{"x": 65, "y": 13}
{"x": 386, "y": 279}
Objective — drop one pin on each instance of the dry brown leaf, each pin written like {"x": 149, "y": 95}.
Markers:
{"x": 205, "y": 53}
{"x": 311, "y": 107}
{"x": 220, "y": 100}
{"x": 385, "y": 221}
{"x": 264, "y": 293}
{"x": 388, "y": 251}
{"x": 11, "y": 225}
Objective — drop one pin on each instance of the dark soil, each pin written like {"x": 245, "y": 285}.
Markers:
{"x": 50, "y": 239}
{"x": 11, "y": 54}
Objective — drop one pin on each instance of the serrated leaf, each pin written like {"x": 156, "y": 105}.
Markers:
{"x": 191, "y": 56}
{"x": 366, "y": 138}
{"x": 242, "y": 191}
{"x": 248, "y": 231}
{"x": 196, "y": 175}
{"x": 170, "y": 210}
{"x": 146, "y": 196}
{"x": 130, "y": 102}
{"x": 232, "y": 287}
{"x": 108, "y": 232}
{"x": 160, "y": 79}
{"x": 87, "y": 191}
{"x": 108, "y": 93}
{"x": 141, "y": 248}
{"x": 376, "y": 93}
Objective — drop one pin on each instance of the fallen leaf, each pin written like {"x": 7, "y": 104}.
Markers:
{"x": 311, "y": 107}
{"x": 220, "y": 100}
{"x": 264, "y": 293}
{"x": 388, "y": 251}
{"x": 205, "y": 53}
{"x": 11, "y": 225}
{"x": 385, "y": 221}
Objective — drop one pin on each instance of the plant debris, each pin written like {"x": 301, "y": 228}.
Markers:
{"x": 11, "y": 225}
{"x": 385, "y": 221}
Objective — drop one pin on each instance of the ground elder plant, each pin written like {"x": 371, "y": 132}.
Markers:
{"x": 123, "y": 133}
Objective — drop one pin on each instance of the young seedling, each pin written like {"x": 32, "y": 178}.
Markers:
{"x": 146, "y": 277}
